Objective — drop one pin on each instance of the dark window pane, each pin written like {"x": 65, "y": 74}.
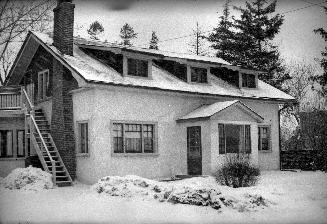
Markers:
{"x": 248, "y": 80}
{"x": 233, "y": 140}
{"x": 137, "y": 67}
{"x": 20, "y": 143}
{"x": 228, "y": 75}
{"x": 6, "y": 143}
{"x": 133, "y": 140}
{"x": 118, "y": 138}
{"x": 198, "y": 75}
{"x": 264, "y": 136}
{"x": 148, "y": 138}
{"x": 221, "y": 132}
{"x": 84, "y": 138}
{"x": 247, "y": 139}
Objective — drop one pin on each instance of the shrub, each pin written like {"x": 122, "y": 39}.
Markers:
{"x": 237, "y": 171}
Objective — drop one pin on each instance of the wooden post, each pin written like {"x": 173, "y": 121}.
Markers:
{"x": 53, "y": 164}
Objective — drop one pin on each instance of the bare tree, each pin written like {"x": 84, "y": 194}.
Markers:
{"x": 197, "y": 43}
{"x": 16, "y": 18}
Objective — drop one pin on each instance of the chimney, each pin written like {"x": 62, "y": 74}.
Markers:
{"x": 63, "y": 27}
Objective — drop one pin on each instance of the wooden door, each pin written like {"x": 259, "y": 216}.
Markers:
{"x": 194, "y": 150}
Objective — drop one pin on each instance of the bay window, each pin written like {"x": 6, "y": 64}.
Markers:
{"x": 234, "y": 138}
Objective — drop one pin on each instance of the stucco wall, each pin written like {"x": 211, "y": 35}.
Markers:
{"x": 102, "y": 106}
{"x": 268, "y": 160}
{"x": 14, "y": 124}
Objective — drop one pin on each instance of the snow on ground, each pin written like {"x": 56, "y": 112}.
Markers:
{"x": 29, "y": 178}
{"x": 294, "y": 197}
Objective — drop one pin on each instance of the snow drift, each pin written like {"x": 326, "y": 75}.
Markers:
{"x": 200, "y": 191}
{"x": 29, "y": 178}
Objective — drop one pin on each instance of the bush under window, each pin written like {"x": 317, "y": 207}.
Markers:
{"x": 237, "y": 171}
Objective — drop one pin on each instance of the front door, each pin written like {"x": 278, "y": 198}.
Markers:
{"x": 194, "y": 151}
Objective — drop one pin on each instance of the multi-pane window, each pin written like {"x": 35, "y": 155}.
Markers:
{"x": 137, "y": 67}
{"x": 264, "y": 138}
{"x": 133, "y": 138}
{"x": 248, "y": 81}
{"x": 83, "y": 138}
{"x": 20, "y": 143}
{"x": 6, "y": 143}
{"x": 198, "y": 75}
{"x": 43, "y": 84}
{"x": 234, "y": 138}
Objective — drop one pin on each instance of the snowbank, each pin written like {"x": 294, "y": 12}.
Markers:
{"x": 200, "y": 191}
{"x": 30, "y": 178}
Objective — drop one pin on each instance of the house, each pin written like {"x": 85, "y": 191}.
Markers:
{"x": 90, "y": 109}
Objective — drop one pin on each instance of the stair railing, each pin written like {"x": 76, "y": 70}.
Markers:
{"x": 29, "y": 111}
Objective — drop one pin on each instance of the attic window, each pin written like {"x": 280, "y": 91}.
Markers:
{"x": 137, "y": 67}
{"x": 199, "y": 75}
{"x": 248, "y": 80}
{"x": 228, "y": 75}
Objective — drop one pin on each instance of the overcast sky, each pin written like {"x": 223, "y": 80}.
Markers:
{"x": 170, "y": 19}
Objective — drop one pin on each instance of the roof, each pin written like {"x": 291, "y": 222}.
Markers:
{"x": 93, "y": 71}
{"x": 207, "y": 111}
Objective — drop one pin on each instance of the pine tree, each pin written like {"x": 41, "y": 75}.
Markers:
{"x": 197, "y": 43}
{"x": 95, "y": 30}
{"x": 223, "y": 35}
{"x": 256, "y": 28}
{"x": 323, "y": 78}
{"x": 154, "y": 41}
{"x": 127, "y": 34}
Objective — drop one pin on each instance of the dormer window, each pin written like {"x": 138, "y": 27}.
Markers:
{"x": 248, "y": 81}
{"x": 137, "y": 67}
{"x": 199, "y": 75}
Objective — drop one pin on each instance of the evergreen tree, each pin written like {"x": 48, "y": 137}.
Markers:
{"x": 154, "y": 41}
{"x": 256, "y": 28}
{"x": 323, "y": 78}
{"x": 95, "y": 30}
{"x": 127, "y": 34}
{"x": 222, "y": 36}
{"x": 197, "y": 44}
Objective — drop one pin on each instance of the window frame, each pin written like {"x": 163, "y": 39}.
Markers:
{"x": 142, "y": 123}
{"x": 247, "y": 82}
{"x": 269, "y": 138}
{"x": 192, "y": 68}
{"x": 45, "y": 84}
{"x": 224, "y": 152}
{"x": 138, "y": 61}
{"x": 79, "y": 138}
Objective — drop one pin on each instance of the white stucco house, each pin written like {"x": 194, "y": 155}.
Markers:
{"x": 90, "y": 109}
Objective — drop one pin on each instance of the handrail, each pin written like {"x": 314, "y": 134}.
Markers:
{"x": 43, "y": 142}
{"x": 27, "y": 98}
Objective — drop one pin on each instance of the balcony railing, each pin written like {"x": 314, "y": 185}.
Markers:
{"x": 10, "y": 98}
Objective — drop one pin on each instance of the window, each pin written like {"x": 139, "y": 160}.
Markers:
{"x": 228, "y": 75}
{"x": 234, "y": 138}
{"x": 198, "y": 75}
{"x": 264, "y": 138}
{"x": 43, "y": 84}
{"x": 6, "y": 143}
{"x": 83, "y": 138}
{"x": 248, "y": 80}
{"x": 20, "y": 143}
{"x": 133, "y": 138}
{"x": 137, "y": 67}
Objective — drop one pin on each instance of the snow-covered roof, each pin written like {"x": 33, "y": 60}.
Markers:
{"x": 206, "y": 111}
{"x": 95, "y": 71}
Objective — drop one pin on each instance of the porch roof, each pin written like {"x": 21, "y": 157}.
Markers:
{"x": 207, "y": 111}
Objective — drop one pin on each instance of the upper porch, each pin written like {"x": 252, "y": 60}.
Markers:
{"x": 13, "y": 100}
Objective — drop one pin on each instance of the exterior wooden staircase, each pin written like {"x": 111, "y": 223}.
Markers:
{"x": 39, "y": 131}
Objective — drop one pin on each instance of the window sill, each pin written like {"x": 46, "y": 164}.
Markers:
{"x": 12, "y": 158}
{"x": 82, "y": 155}
{"x": 134, "y": 154}
{"x": 265, "y": 151}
